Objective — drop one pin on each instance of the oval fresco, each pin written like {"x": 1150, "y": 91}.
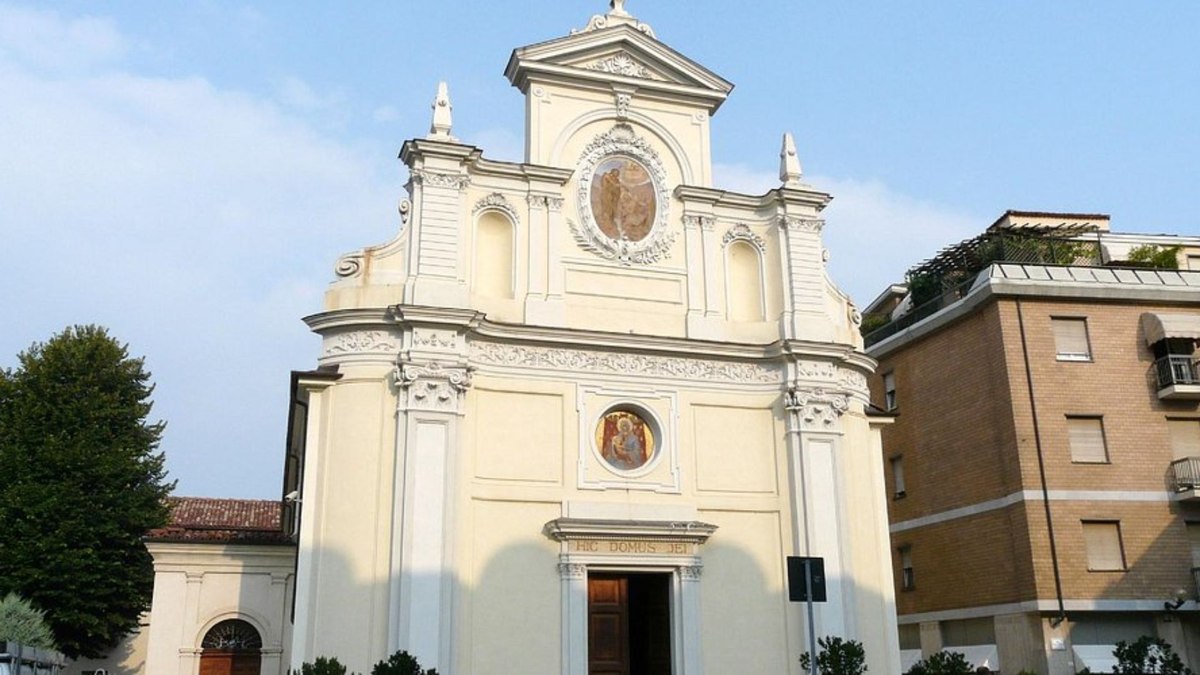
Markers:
{"x": 623, "y": 203}
{"x": 625, "y": 440}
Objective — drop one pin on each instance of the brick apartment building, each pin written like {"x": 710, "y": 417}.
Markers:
{"x": 1043, "y": 466}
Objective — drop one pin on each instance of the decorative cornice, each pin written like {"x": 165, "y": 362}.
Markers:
{"x": 687, "y": 531}
{"x": 621, "y": 363}
{"x": 817, "y": 408}
{"x": 741, "y": 232}
{"x": 622, "y": 63}
{"x": 621, "y": 140}
{"x": 497, "y": 202}
{"x": 813, "y": 225}
{"x": 455, "y": 181}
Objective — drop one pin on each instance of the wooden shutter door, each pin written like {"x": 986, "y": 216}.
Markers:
{"x": 608, "y": 625}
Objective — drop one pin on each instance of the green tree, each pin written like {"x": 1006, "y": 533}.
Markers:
{"x": 401, "y": 663}
{"x": 1148, "y": 655}
{"x": 82, "y": 483}
{"x": 23, "y": 623}
{"x": 942, "y": 663}
{"x": 837, "y": 657}
{"x": 1153, "y": 256}
{"x": 322, "y": 666}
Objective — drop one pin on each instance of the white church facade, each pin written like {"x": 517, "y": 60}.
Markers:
{"x": 576, "y": 415}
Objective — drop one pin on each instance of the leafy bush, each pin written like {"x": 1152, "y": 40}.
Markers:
{"x": 924, "y": 287}
{"x": 871, "y": 322}
{"x": 322, "y": 666}
{"x": 1147, "y": 656}
{"x": 942, "y": 663}
{"x": 837, "y": 657}
{"x": 1153, "y": 256}
{"x": 22, "y": 622}
{"x": 401, "y": 663}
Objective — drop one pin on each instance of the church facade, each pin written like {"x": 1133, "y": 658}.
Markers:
{"x": 577, "y": 414}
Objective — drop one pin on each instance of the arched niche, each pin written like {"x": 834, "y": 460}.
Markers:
{"x": 493, "y": 268}
{"x": 743, "y": 281}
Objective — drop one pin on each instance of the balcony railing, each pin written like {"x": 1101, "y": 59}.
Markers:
{"x": 1185, "y": 474}
{"x": 1176, "y": 369}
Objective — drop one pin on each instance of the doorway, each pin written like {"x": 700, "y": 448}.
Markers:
{"x": 232, "y": 647}
{"x": 629, "y": 623}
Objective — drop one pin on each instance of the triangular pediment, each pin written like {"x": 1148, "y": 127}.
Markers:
{"x": 621, "y": 55}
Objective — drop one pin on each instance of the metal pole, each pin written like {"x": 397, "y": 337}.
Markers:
{"x": 812, "y": 629}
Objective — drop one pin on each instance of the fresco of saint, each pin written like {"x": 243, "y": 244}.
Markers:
{"x": 622, "y": 197}
{"x": 625, "y": 440}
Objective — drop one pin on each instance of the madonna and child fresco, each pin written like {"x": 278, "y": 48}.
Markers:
{"x": 625, "y": 440}
{"x": 623, "y": 199}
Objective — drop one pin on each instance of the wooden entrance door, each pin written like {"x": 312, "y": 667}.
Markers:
{"x": 230, "y": 663}
{"x": 629, "y": 624}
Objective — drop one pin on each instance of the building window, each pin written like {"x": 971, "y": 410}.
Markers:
{"x": 1185, "y": 438}
{"x": 908, "y": 580}
{"x": 897, "y": 463}
{"x": 889, "y": 391}
{"x": 1071, "y": 339}
{"x": 1102, "y": 539}
{"x": 1086, "y": 436}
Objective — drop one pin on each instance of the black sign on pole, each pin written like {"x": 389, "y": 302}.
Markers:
{"x": 797, "y": 583}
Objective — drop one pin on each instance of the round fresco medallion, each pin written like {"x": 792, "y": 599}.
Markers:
{"x": 623, "y": 199}
{"x": 625, "y": 440}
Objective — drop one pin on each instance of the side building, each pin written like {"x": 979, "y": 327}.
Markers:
{"x": 1042, "y": 469}
{"x": 223, "y": 573}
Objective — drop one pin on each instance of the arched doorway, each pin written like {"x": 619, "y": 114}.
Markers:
{"x": 232, "y": 647}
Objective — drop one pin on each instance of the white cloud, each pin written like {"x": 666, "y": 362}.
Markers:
{"x": 297, "y": 93}
{"x": 868, "y": 221}
{"x": 197, "y": 223}
{"x": 44, "y": 39}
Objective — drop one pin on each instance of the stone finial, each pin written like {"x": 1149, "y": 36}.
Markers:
{"x": 789, "y": 162}
{"x": 617, "y": 8}
{"x": 440, "y": 128}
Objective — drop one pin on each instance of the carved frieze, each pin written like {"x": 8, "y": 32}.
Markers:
{"x": 572, "y": 570}
{"x": 433, "y": 339}
{"x": 446, "y": 180}
{"x": 642, "y": 365}
{"x": 622, "y": 63}
{"x": 817, "y": 408}
{"x": 361, "y": 342}
{"x": 432, "y": 386}
{"x": 742, "y": 232}
{"x": 812, "y": 225}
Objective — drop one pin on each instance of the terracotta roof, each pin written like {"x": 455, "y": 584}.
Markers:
{"x": 227, "y": 521}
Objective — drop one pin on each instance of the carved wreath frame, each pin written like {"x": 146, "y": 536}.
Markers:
{"x": 621, "y": 141}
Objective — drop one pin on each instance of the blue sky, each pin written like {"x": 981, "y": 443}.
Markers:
{"x": 186, "y": 173}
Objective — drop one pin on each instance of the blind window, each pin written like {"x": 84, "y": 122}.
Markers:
{"x": 1071, "y": 339}
{"x": 1103, "y": 543}
{"x": 1185, "y": 438}
{"x": 1086, "y": 435}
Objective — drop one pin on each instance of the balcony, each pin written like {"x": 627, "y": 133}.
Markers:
{"x": 1178, "y": 377}
{"x": 1185, "y": 478}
